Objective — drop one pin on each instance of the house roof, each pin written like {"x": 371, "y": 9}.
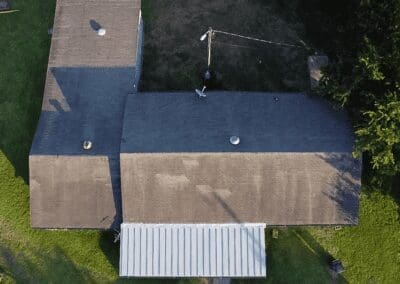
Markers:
{"x": 192, "y": 250}
{"x": 293, "y": 166}
{"x": 88, "y": 79}
{"x": 174, "y": 161}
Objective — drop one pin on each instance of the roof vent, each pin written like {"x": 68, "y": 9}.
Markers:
{"x": 87, "y": 145}
{"x": 101, "y": 32}
{"x": 235, "y": 140}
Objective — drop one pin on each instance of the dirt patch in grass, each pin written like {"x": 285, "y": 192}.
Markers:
{"x": 175, "y": 58}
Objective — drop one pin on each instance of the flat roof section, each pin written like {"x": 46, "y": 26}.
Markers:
{"x": 264, "y": 122}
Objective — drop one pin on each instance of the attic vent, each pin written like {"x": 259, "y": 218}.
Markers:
{"x": 87, "y": 145}
{"x": 101, "y": 32}
{"x": 235, "y": 140}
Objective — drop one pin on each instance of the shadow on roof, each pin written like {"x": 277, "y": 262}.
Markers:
{"x": 265, "y": 122}
{"x": 84, "y": 104}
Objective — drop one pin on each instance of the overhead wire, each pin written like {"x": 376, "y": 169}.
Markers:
{"x": 236, "y": 45}
{"x": 261, "y": 40}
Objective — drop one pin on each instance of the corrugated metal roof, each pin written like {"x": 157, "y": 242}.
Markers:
{"x": 192, "y": 250}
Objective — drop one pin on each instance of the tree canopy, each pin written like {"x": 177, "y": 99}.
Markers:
{"x": 364, "y": 75}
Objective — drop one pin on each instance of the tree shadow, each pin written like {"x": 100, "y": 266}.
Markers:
{"x": 344, "y": 162}
{"x": 295, "y": 257}
{"x": 373, "y": 181}
{"x": 396, "y": 188}
{"x": 346, "y": 197}
{"x": 109, "y": 248}
{"x": 390, "y": 187}
{"x": 23, "y": 71}
{"x": 49, "y": 267}
{"x": 346, "y": 184}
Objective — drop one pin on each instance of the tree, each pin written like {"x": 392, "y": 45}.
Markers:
{"x": 380, "y": 136}
{"x": 365, "y": 79}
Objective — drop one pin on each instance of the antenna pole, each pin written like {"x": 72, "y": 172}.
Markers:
{"x": 210, "y": 33}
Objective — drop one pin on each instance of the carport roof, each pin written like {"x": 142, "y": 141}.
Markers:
{"x": 192, "y": 250}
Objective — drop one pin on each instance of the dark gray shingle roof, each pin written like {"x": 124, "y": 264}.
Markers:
{"x": 265, "y": 122}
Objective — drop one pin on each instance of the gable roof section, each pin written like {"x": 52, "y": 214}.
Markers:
{"x": 293, "y": 166}
{"x": 87, "y": 81}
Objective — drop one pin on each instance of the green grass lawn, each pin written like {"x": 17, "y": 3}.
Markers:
{"x": 370, "y": 251}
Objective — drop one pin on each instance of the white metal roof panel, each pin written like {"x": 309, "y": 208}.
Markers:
{"x": 192, "y": 250}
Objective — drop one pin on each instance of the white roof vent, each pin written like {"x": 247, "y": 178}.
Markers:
{"x": 235, "y": 140}
{"x": 101, "y": 32}
{"x": 87, "y": 145}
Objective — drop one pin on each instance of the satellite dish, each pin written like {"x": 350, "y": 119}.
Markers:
{"x": 201, "y": 93}
{"x": 203, "y": 37}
